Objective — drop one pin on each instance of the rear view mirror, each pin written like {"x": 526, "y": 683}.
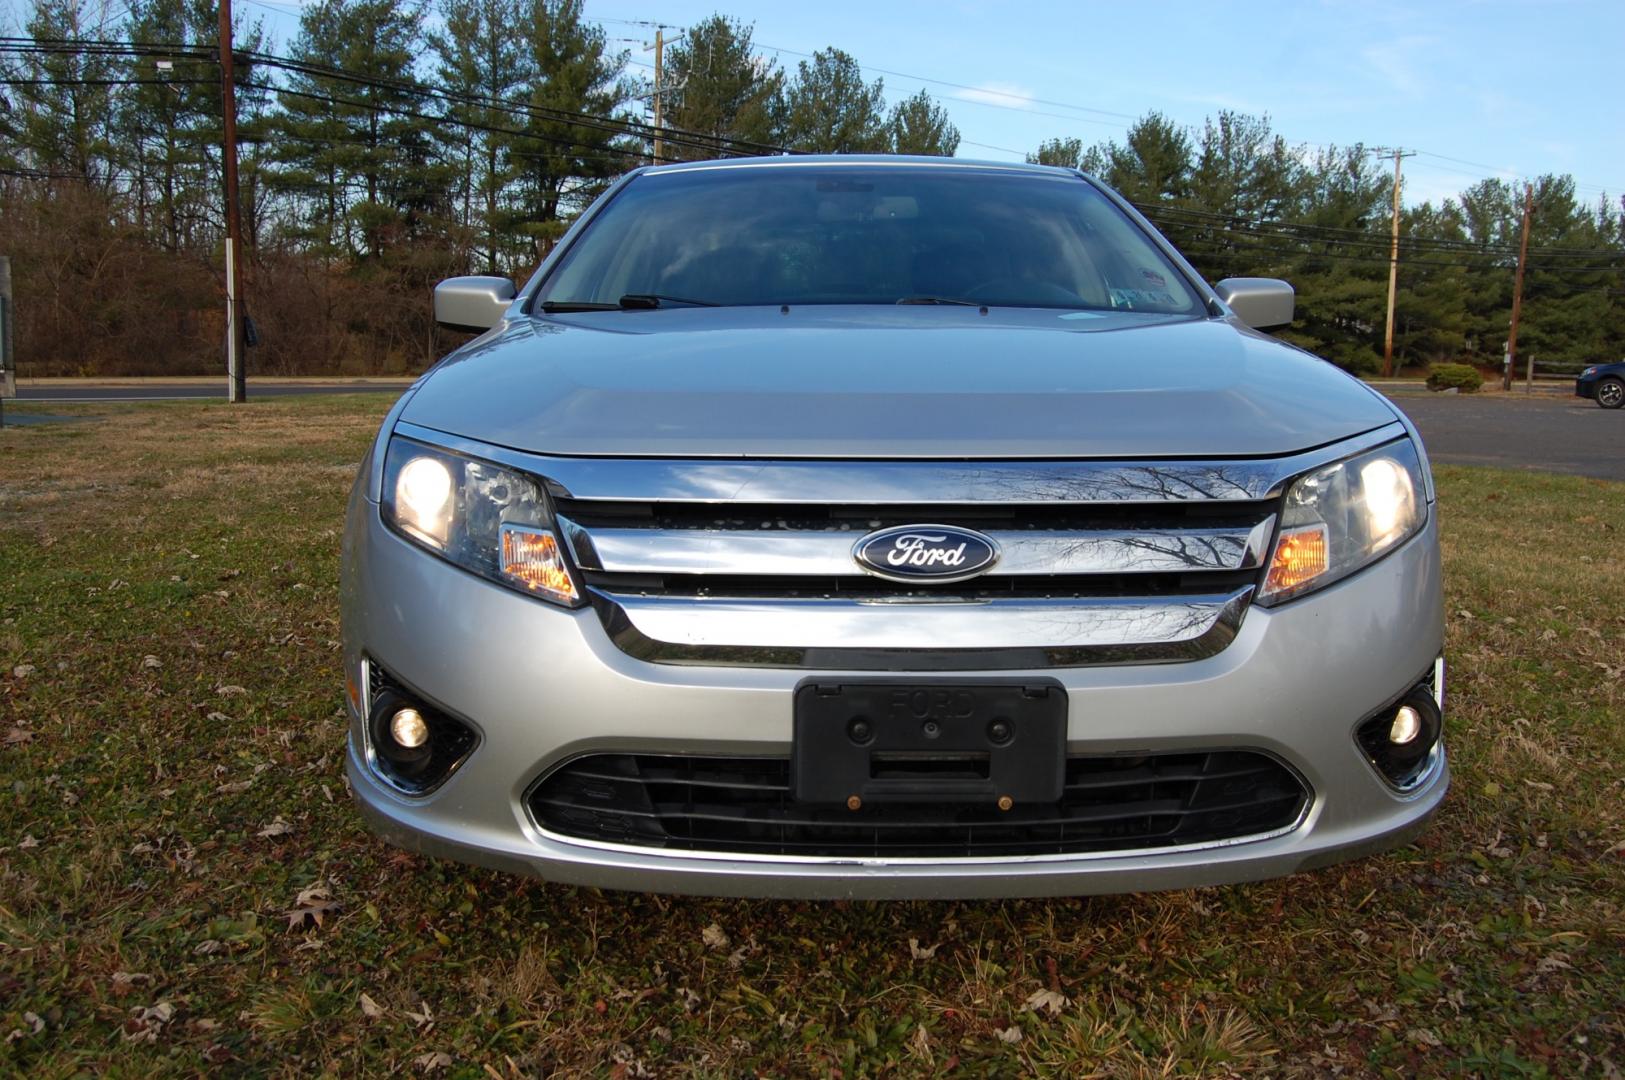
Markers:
{"x": 474, "y": 304}
{"x": 1261, "y": 303}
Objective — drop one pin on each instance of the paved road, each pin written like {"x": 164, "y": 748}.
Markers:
{"x": 1548, "y": 432}
{"x": 1544, "y": 432}
{"x": 61, "y": 395}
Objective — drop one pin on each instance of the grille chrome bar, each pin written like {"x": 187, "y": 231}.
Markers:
{"x": 1099, "y": 629}
{"x": 828, "y": 553}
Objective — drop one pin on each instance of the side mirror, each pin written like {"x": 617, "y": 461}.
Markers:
{"x": 1262, "y": 303}
{"x": 474, "y": 304}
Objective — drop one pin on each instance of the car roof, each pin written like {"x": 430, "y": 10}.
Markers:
{"x": 782, "y": 161}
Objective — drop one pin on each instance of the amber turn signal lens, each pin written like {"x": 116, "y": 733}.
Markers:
{"x": 531, "y": 558}
{"x": 1300, "y": 556}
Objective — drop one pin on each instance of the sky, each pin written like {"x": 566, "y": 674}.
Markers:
{"x": 1478, "y": 88}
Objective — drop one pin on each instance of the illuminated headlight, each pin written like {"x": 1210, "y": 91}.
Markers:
{"x": 1588, "y": 372}
{"x": 487, "y": 519}
{"x": 1339, "y": 518}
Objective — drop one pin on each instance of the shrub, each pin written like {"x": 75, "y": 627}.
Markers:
{"x": 1463, "y": 377}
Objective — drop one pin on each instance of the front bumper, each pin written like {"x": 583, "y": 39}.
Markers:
{"x": 1586, "y": 388}
{"x": 541, "y": 685}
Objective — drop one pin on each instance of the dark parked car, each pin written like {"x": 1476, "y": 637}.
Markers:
{"x": 1603, "y": 383}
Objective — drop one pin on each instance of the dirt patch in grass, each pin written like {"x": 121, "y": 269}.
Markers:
{"x": 185, "y": 887}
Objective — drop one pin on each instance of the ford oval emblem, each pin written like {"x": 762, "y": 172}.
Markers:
{"x": 942, "y": 553}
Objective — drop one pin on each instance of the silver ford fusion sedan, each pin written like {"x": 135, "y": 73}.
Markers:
{"x": 889, "y": 527}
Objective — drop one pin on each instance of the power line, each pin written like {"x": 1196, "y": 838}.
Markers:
{"x": 630, "y": 128}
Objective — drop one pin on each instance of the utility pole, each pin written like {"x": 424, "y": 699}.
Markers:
{"x": 1393, "y": 271}
{"x": 660, "y": 67}
{"x": 8, "y": 375}
{"x": 1517, "y": 287}
{"x": 237, "y": 381}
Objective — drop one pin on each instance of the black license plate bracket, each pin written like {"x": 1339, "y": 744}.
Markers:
{"x": 879, "y": 741}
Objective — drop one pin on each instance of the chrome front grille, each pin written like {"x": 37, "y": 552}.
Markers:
{"x": 742, "y": 561}
{"x": 777, "y": 583}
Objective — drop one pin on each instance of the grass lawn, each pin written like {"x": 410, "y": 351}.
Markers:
{"x": 171, "y": 747}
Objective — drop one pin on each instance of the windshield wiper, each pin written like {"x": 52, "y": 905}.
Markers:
{"x": 941, "y": 300}
{"x": 629, "y": 302}
{"x": 552, "y": 306}
{"x": 654, "y": 300}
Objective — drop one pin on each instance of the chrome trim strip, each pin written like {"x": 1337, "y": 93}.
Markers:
{"x": 912, "y": 482}
{"x": 807, "y": 553}
{"x": 886, "y": 634}
{"x": 946, "y": 864}
{"x": 1309, "y": 799}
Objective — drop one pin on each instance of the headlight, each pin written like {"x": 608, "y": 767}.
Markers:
{"x": 1339, "y": 518}
{"x": 489, "y": 520}
{"x": 1592, "y": 370}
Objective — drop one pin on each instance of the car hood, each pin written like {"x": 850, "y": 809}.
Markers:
{"x": 867, "y": 382}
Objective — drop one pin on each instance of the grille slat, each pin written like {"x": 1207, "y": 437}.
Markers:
{"x": 744, "y": 805}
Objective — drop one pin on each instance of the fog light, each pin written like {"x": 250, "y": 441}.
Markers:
{"x": 412, "y": 745}
{"x": 1406, "y": 727}
{"x": 408, "y": 728}
{"x": 1400, "y": 740}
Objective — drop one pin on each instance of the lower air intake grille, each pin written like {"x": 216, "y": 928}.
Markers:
{"x": 743, "y": 805}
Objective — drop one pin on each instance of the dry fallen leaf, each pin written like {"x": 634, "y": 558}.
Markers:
{"x": 144, "y": 1023}
{"x": 311, "y": 905}
{"x": 151, "y": 662}
{"x": 370, "y": 1008}
{"x": 921, "y": 952}
{"x": 230, "y": 691}
{"x": 1046, "y": 1000}
{"x": 23, "y": 671}
{"x": 278, "y": 827}
{"x": 433, "y": 1062}
{"x": 1011, "y": 1034}
{"x": 714, "y": 937}
{"x": 18, "y": 735}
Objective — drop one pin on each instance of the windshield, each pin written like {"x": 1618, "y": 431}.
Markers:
{"x": 866, "y": 234}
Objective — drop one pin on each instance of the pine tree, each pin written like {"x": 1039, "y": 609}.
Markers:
{"x": 921, "y": 126}
{"x": 563, "y": 165}
{"x": 721, "y": 88}
{"x": 828, "y": 108}
{"x": 360, "y": 152}
{"x": 169, "y": 125}
{"x": 481, "y": 60}
{"x": 58, "y": 120}
{"x": 1154, "y": 163}
{"x": 1065, "y": 152}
